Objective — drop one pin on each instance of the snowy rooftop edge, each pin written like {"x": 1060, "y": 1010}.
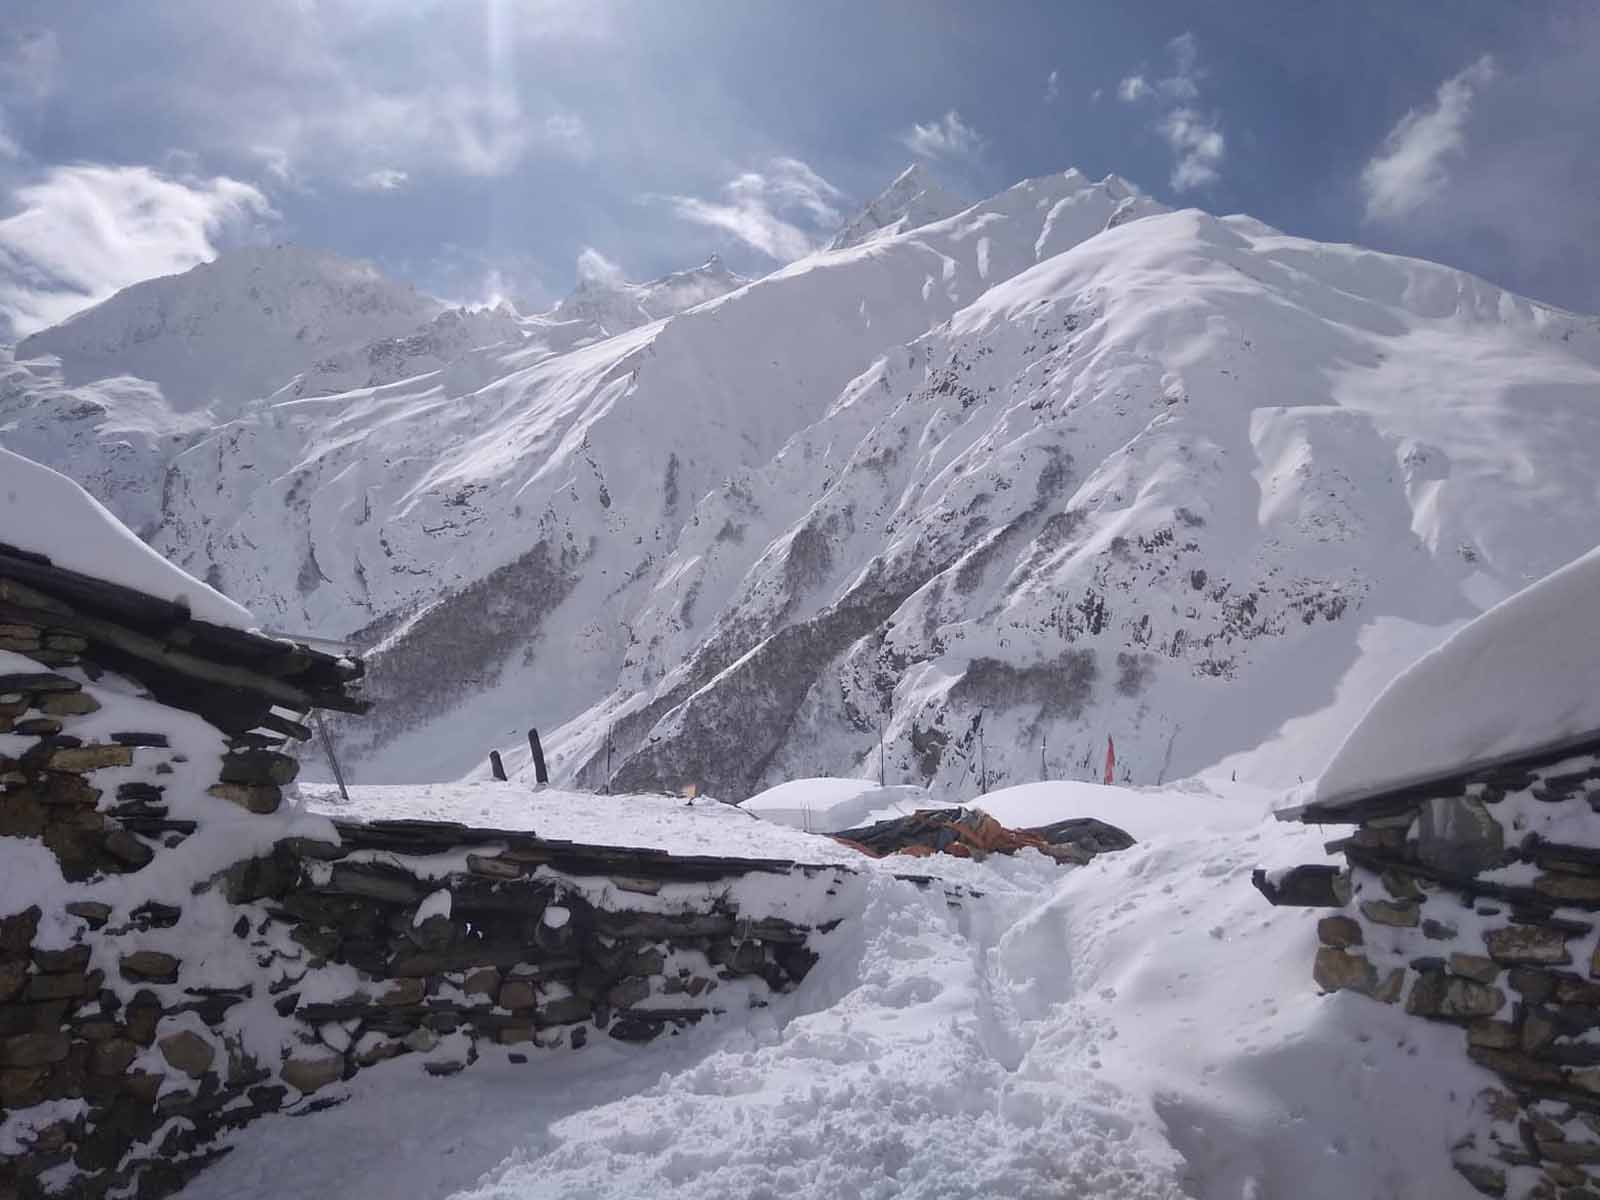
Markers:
{"x": 44, "y": 512}
{"x": 1521, "y": 681}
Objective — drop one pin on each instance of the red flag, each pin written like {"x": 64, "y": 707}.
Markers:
{"x": 1111, "y": 758}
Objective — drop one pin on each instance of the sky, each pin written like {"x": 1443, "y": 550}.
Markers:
{"x": 497, "y": 149}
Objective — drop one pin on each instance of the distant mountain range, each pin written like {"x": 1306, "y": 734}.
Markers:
{"x": 988, "y": 483}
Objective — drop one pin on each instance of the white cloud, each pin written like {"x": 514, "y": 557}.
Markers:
{"x": 84, "y": 231}
{"x": 1133, "y": 88}
{"x": 779, "y": 211}
{"x": 596, "y": 268}
{"x": 1198, "y": 146}
{"x": 950, "y": 137}
{"x": 1412, "y": 166}
{"x": 10, "y": 148}
{"x": 1196, "y": 139}
{"x": 385, "y": 179}
{"x": 1184, "y": 82}
{"x": 1052, "y": 87}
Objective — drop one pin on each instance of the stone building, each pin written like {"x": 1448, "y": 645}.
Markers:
{"x": 1470, "y": 886}
{"x": 184, "y": 950}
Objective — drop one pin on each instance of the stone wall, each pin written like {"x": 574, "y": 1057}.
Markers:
{"x": 1474, "y": 902}
{"x": 214, "y": 956}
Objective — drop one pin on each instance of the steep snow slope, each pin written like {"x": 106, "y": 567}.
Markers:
{"x": 911, "y": 201}
{"x": 507, "y": 519}
{"x": 1157, "y": 487}
{"x": 223, "y": 332}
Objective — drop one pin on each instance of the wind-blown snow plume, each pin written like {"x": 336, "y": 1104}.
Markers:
{"x": 84, "y": 231}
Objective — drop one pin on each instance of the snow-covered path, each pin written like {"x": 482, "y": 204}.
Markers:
{"x": 1141, "y": 1027}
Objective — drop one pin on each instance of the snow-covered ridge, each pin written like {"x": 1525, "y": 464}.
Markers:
{"x": 615, "y": 305}
{"x": 911, "y": 201}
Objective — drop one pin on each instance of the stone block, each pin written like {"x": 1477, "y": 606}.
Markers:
{"x": 149, "y": 966}
{"x": 1518, "y": 1067}
{"x": 91, "y": 911}
{"x": 517, "y": 993}
{"x": 1535, "y": 986}
{"x": 128, "y": 848}
{"x": 1580, "y": 889}
{"x": 90, "y": 758}
{"x": 1474, "y": 967}
{"x": 69, "y": 704}
{"x": 59, "y": 987}
{"x": 1497, "y": 1035}
{"x": 564, "y": 1010}
{"x": 1401, "y": 913}
{"x": 112, "y": 1057}
{"x": 1527, "y": 945}
{"x": 188, "y": 1052}
{"x": 36, "y": 681}
{"x": 1339, "y": 932}
{"x": 1458, "y": 834}
{"x": 258, "y": 767}
{"x": 61, "y": 962}
{"x": 1491, "y": 1181}
{"x": 34, "y": 1049}
{"x": 17, "y": 932}
{"x": 310, "y": 1074}
{"x": 628, "y": 993}
{"x": 483, "y": 982}
{"x": 404, "y": 992}
{"x": 22, "y": 1087}
{"x": 256, "y": 798}
{"x": 1334, "y": 971}
{"x": 12, "y": 977}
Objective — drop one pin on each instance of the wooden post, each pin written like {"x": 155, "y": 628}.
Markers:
{"x": 333, "y": 760}
{"x": 540, "y": 775}
{"x": 983, "y": 764}
{"x": 498, "y": 767}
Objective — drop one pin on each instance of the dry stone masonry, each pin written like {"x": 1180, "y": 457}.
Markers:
{"x": 213, "y": 955}
{"x": 1475, "y": 900}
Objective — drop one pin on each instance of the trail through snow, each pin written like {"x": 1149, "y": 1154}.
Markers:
{"x": 1141, "y": 1027}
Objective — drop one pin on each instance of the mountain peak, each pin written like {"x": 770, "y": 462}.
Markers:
{"x": 615, "y": 304}
{"x": 223, "y": 330}
{"x": 911, "y": 201}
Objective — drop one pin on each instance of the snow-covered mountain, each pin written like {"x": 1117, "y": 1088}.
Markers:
{"x": 911, "y": 201}
{"x": 224, "y": 331}
{"x": 994, "y": 487}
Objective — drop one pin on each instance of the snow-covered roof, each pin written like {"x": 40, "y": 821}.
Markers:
{"x": 44, "y": 512}
{"x": 1522, "y": 677}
